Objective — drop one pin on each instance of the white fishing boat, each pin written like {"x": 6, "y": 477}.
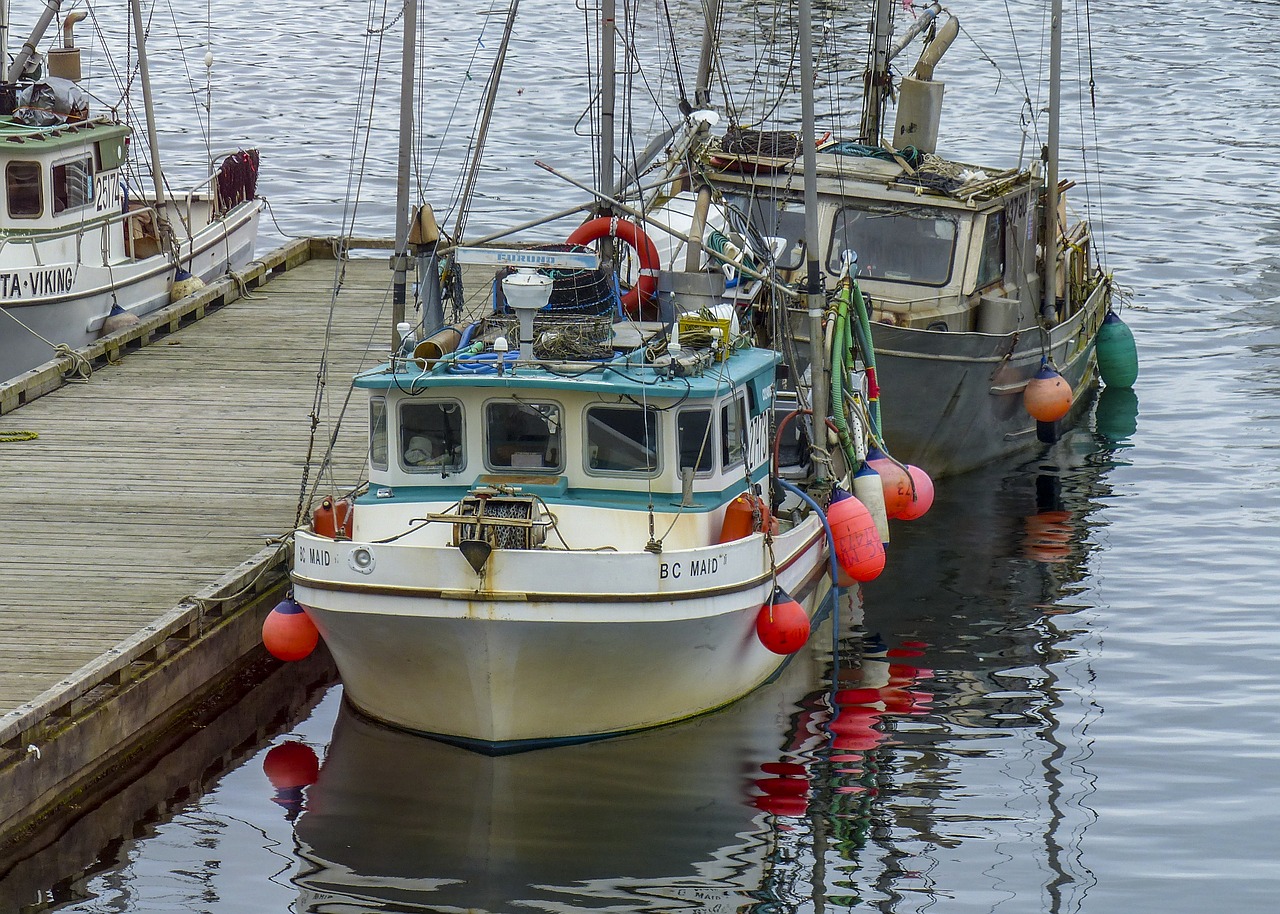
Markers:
{"x": 85, "y": 247}
{"x": 973, "y": 277}
{"x": 561, "y": 546}
{"x": 585, "y": 512}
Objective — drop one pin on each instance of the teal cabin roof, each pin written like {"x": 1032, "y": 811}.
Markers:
{"x": 619, "y": 377}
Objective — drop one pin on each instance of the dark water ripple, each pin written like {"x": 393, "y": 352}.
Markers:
{"x": 1084, "y": 641}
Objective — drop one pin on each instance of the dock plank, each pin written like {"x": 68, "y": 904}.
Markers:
{"x": 179, "y": 462}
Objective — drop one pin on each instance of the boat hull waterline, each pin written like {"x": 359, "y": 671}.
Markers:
{"x": 496, "y": 666}
{"x": 936, "y": 415}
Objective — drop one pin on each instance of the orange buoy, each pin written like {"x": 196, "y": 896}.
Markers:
{"x": 782, "y": 625}
{"x": 1047, "y": 396}
{"x": 745, "y": 515}
{"x": 854, "y": 535}
{"x": 921, "y": 499}
{"x": 894, "y": 480}
{"x": 288, "y": 632}
{"x": 333, "y": 519}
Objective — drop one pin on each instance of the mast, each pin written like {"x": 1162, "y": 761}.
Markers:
{"x": 608, "y": 90}
{"x": 400, "y": 259}
{"x": 1049, "y": 306}
{"x": 814, "y": 294}
{"x": 148, "y": 106}
{"x": 710, "y": 39}
{"x": 876, "y": 85}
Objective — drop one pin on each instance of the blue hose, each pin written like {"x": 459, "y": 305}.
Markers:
{"x": 831, "y": 563}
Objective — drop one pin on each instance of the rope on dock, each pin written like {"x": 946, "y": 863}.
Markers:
{"x": 18, "y": 435}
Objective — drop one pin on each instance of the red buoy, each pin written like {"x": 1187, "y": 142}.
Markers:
{"x": 291, "y": 764}
{"x": 782, "y": 625}
{"x": 288, "y": 632}
{"x": 921, "y": 499}
{"x": 857, "y": 541}
{"x": 1047, "y": 396}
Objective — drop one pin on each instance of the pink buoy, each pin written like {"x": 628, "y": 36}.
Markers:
{"x": 894, "y": 479}
{"x": 288, "y": 632}
{"x": 921, "y": 499}
{"x": 857, "y": 541}
{"x": 1047, "y": 396}
{"x": 782, "y": 625}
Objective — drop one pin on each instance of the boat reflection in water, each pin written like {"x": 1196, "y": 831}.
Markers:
{"x": 661, "y": 819}
{"x": 880, "y": 782}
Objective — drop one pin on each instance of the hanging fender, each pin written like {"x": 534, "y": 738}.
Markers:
{"x": 646, "y": 287}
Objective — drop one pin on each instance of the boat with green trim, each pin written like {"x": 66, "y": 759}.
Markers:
{"x": 84, "y": 248}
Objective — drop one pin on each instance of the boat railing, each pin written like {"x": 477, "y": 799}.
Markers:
{"x": 81, "y": 231}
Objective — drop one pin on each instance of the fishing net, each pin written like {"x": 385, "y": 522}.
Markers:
{"x": 555, "y": 335}
{"x": 237, "y": 179}
{"x": 573, "y": 291}
{"x": 775, "y": 144}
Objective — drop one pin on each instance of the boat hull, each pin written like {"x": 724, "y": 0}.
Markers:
{"x": 73, "y": 316}
{"x": 642, "y": 642}
{"x": 952, "y": 402}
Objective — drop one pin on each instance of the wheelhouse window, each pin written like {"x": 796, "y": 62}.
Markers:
{"x": 524, "y": 436}
{"x": 378, "y": 433}
{"x": 23, "y": 190}
{"x": 73, "y": 185}
{"x": 733, "y": 432}
{"x": 773, "y": 218}
{"x": 914, "y": 245}
{"x": 431, "y": 436}
{"x": 622, "y": 439}
{"x": 693, "y": 433}
{"x": 991, "y": 266}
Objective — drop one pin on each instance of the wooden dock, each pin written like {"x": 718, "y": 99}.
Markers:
{"x": 142, "y": 543}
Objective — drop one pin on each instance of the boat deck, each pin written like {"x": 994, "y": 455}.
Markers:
{"x": 148, "y": 507}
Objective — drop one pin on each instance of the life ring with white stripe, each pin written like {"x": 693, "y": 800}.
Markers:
{"x": 646, "y": 287}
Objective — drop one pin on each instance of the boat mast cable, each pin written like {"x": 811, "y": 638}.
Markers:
{"x": 400, "y": 259}
{"x": 148, "y": 106}
{"x": 486, "y": 118}
{"x": 1049, "y": 306}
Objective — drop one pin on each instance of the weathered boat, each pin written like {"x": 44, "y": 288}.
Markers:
{"x": 973, "y": 275}
{"x": 83, "y": 247}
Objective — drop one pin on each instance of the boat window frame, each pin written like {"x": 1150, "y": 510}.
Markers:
{"x": 404, "y": 438}
{"x": 379, "y": 431}
{"x": 509, "y": 469}
{"x": 61, "y": 207}
{"x": 37, "y": 168}
{"x": 731, "y": 459}
{"x": 999, "y": 241}
{"x": 866, "y": 269}
{"x": 709, "y": 440}
{"x": 652, "y": 420}
{"x": 753, "y": 207}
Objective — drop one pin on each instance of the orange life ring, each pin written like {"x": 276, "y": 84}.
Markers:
{"x": 646, "y": 287}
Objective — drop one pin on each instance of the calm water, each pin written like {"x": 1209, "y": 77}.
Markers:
{"x": 1080, "y": 648}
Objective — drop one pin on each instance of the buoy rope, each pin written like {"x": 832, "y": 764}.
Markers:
{"x": 18, "y": 435}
